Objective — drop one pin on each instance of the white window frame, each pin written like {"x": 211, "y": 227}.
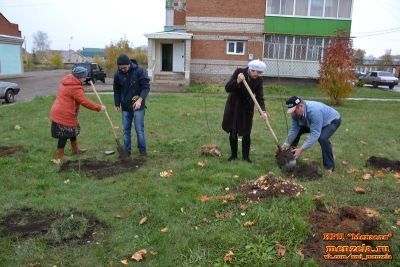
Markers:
{"x": 235, "y": 42}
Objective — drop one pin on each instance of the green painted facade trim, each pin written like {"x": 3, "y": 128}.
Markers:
{"x": 304, "y": 26}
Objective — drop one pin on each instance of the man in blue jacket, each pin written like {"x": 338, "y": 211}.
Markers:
{"x": 131, "y": 87}
{"x": 316, "y": 118}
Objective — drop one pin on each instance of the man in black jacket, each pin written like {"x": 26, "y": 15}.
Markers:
{"x": 131, "y": 87}
{"x": 239, "y": 107}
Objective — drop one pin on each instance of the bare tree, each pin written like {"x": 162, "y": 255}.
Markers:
{"x": 387, "y": 58}
{"x": 41, "y": 45}
{"x": 359, "y": 55}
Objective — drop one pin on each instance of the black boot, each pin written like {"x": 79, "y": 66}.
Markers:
{"x": 246, "y": 148}
{"x": 233, "y": 141}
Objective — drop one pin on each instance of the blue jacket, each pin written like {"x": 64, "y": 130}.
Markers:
{"x": 127, "y": 85}
{"x": 316, "y": 116}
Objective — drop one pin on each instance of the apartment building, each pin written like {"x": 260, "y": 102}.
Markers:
{"x": 204, "y": 41}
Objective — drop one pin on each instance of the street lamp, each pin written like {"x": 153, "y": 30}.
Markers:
{"x": 69, "y": 48}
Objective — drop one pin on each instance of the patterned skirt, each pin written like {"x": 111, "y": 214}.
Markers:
{"x": 62, "y": 131}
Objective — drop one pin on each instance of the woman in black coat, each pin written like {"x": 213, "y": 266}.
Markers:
{"x": 239, "y": 107}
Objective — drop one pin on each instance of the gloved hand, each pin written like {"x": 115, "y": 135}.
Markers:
{"x": 103, "y": 108}
{"x": 240, "y": 78}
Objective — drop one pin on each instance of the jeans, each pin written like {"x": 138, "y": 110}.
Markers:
{"x": 326, "y": 146}
{"x": 137, "y": 117}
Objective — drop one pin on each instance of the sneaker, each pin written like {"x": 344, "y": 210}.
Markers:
{"x": 143, "y": 153}
{"x": 248, "y": 160}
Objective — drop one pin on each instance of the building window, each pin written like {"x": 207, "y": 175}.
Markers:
{"x": 235, "y": 48}
{"x": 294, "y": 47}
{"x": 310, "y": 8}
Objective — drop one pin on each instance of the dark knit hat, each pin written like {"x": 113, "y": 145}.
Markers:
{"x": 292, "y": 102}
{"x": 123, "y": 60}
{"x": 80, "y": 72}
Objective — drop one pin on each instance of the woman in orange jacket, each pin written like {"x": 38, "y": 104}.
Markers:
{"x": 65, "y": 109}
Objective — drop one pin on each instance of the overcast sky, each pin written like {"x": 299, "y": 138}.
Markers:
{"x": 91, "y": 23}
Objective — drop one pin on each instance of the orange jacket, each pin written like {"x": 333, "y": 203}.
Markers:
{"x": 70, "y": 96}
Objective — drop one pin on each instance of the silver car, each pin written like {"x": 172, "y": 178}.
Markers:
{"x": 8, "y": 91}
{"x": 376, "y": 78}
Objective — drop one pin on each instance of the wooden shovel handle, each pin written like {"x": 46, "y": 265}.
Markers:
{"x": 261, "y": 111}
{"x": 105, "y": 111}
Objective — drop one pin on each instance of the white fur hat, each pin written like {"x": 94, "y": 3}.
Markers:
{"x": 257, "y": 65}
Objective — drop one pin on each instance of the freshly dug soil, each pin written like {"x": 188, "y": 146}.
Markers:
{"x": 211, "y": 150}
{"x": 282, "y": 157}
{"x": 269, "y": 186}
{"x": 101, "y": 169}
{"x": 54, "y": 227}
{"x": 347, "y": 219}
{"x": 5, "y": 150}
{"x": 383, "y": 163}
{"x": 304, "y": 171}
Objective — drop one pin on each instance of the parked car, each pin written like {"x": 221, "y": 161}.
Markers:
{"x": 359, "y": 74}
{"x": 376, "y": 78}
{"x": 8, "y": 91}
{"x": 95, "y": 72}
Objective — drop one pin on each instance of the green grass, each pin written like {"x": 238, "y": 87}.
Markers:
{"x": 177, "y": 126}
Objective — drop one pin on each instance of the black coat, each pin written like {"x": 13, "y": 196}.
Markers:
{"x": 239, "y": 107}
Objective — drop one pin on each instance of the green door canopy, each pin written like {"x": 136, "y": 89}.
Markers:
{"x": 305, "y": 26}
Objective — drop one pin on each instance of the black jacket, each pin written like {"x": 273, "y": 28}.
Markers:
{"x": 239, "y": 107}
{"x": 127, "y": 85}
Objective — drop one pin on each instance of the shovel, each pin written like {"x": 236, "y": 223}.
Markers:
{"x": 285, "y": 158}
{"x": 122, "y": 152}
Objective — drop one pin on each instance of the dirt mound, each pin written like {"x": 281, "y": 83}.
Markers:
{"x": 304, "y": 171}
{"x": 101, "y": 169}
{"x": 211, "y": 150}
{"x": 269, "y": 186}
{"x": 332, "y": 229}
{"x": 54, "y": 227}
{"x": 283, "y": 157}
{"x": 6, "y": 150}
{"x": 383, "y": 163}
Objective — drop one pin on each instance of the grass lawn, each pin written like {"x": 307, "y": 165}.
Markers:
{"x": 177, "y": 126}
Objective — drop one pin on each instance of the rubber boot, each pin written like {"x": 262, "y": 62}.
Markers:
{"x": 234, "y": 148}
{"x": 76, "y": 149}
{"x": 246, "y": 149}
{"x": 60, "y": 154}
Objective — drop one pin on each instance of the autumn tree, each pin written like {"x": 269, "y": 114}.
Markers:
{"x": 56, "y": 61}
{"x": 336, "y": 73}
{"x": 387, "y": 58}
{"x": 41, "y": 46}
{"x": 113, "y": 50}
{"x": 359, "y": 55}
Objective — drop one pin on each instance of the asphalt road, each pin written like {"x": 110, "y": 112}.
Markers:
{"x": 45, "y": 83}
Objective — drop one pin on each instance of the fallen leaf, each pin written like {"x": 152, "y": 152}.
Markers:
{"x": 143, "y": 220}
{"x": 202, "y": 163}
{"x": 316, "y": 197}
{"x": 66, "y": 181}
{"x": 379, "y": 174}
{"x": 352, "y": 170}
{"x": 281, "y": 250}
{"x": 249, "y": 223}
{"x": 118, "y": 216}
{"x": 229, "y": 256}
{"x": 164, "y": 230}
{"x": 166, "y": 174}
{"x": 17, "y": 127}
{"x": 243, "y": 206}
{"x": 345, "y": 162}
{"x": 124, "y": 262}
{"x": 363, "y": 142}
{"x": 154, "y": 253}
{"x": 236, "y": 176}
{"x": 242, "y": 213}
{"x": 206, "y": 220}
{"x": 228, "y": 197}
{"x": 226, "y": 188}
{"x": 398, "y": 223}
{"x": 204, "y": 198}
{"x": 359, "y": 190}
{"x": 300, "y": 253}
{"x": 56, "y": 161}
{"x": 397, "y": 211}
{"x": 396, "y": 175}
{"x": 139, "y": 255}
{"x": 228, "y": 214}
{"x": 367, "y": 176}
{"x": 372, "y": 213}
{"x": 218, "y": 215}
